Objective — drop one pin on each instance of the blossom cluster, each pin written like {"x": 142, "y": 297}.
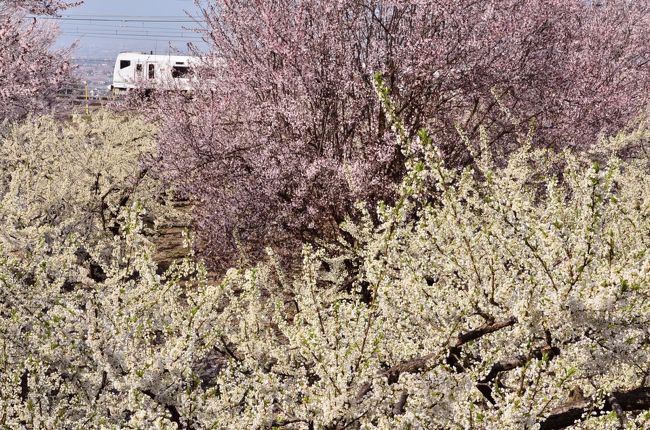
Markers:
{"x": 497, "y": 297}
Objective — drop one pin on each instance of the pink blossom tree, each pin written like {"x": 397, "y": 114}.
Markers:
{"x": 284, "y": 131}
{"x": 31, "y": 71}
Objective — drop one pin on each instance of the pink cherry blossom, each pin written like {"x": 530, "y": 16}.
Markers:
{"x": 283, "y": 131}
{"x": 31, "y": 70}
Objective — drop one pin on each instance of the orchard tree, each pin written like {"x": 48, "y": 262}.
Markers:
{"x": 41, "y": 7}
{"x": 69, "y": 182}
{"x": 518, "y": 298}
{"x": 31, "y": 70}
{"x": 283, "y": 131}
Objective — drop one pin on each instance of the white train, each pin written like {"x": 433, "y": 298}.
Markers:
{"x": 137, "y": 70}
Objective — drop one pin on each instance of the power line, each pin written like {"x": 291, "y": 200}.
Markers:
{"x": 132, "y": 30}
{"x": 151, "y": 38}
{"x": 131, "y": 33}
{"x": 135, "y": 27}
{"x": 57, "y": 18}
{"x": 102, "y": 15}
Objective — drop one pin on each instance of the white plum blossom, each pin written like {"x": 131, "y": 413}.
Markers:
{"x": 496, "y": 297}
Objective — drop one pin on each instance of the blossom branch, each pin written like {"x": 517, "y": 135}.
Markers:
{"x": 565, "y": 416}
{"x": 545, "y": 353}
{"x": 422, "y": 364}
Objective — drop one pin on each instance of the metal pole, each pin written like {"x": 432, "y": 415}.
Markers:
{"x": 87, "y": 110}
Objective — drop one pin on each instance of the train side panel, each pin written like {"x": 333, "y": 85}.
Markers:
{"x": 135, "y": 70}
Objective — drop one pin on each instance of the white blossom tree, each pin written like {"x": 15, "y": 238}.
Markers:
{"x": 498, "y": 297}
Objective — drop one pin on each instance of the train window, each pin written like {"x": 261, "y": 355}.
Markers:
{"x": 124, "y": 64}
{"x": 138, "y": 69}
{"x": 152, "y": 71}
{"x": 180, "y": 71}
